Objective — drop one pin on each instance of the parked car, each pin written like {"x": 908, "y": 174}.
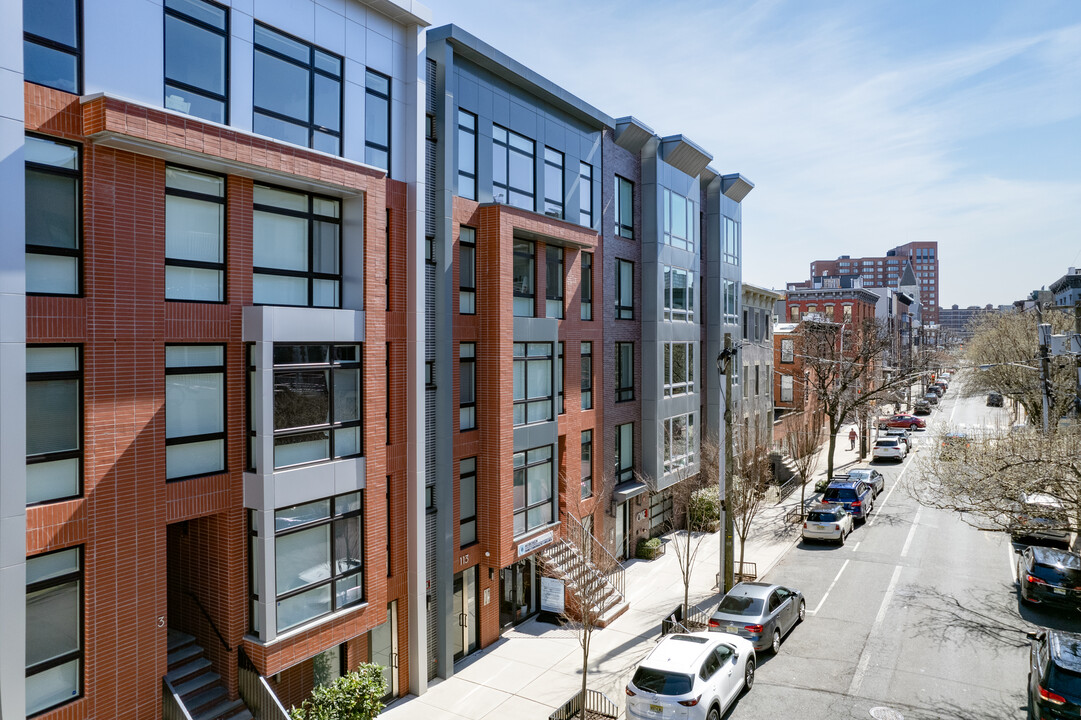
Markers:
{"x": 901, "y": 420}
{"x": 888, "y": 448}
{"x": 1049, "y": 576}
{"x": 921, "y": 407}
{"x": 696, "y": 675}
{"x": 936, "y": 389}
{"x": 856, "y": 496}
{"x": 931, "y": 397}
{"x": 954, "y": 445}
{"x": 943, "y": 383}
{"x": 1040, "y": 516}
{"x": 994, "y": 399}
{"x": 867, "y": 475}
{"x": 1054, "y": 674}
{"x": 761, "y": 612}
{"x": 828, "y": 522}
{"x": 901, "y": 434}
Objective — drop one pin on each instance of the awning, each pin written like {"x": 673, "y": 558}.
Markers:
{"x": 626, "y": 490}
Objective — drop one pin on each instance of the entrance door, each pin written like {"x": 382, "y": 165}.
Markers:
{"x": 383, "y": 649}
{"x": 621, "y": 531}
{"x": 518, "y": 592}
{"x": 465, "y": 609}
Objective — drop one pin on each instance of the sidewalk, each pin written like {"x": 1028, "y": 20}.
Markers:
{"x": 536, "y": 667}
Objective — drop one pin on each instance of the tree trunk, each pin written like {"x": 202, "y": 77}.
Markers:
{"x": 742, "y": 547}
{"x": 687, "y": 575}
{"x": 585, "y": 673}
{"x": 833, "y": 445}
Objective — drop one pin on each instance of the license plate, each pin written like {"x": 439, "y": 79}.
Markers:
{"x": 656, "y": 708}
{"x": 732, "y": 629}
{"x": 1059, "y": 591}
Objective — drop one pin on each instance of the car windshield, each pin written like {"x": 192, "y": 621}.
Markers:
{"x": 740, "y": 605}
{"x": 662, "y": 682}
{"x": 816, "y": 516}
{"x": 1057, "y": 575}
{"x": 842, "y": 494}
{"x": 886, "y": 443}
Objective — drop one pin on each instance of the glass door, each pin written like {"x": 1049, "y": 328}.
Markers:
{"x": 519, "y": 590}
{"x": 465, "y": 613}
{"x": 621, "y": 531}
{"x": 383, "y": 649}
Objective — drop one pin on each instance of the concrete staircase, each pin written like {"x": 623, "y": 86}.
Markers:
{"x": 201, "y": 691}
{"x": 602, "y": 592}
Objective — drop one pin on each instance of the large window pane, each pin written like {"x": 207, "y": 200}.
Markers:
{"x": 194, "y": 55}
{"x": 53, "y": 629}
{"x": 51, "y": 46}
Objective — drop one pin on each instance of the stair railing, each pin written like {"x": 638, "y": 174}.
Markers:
{"x": 172, "y": 707}
{"x": 209, "y": 619}
{"x": 610, "y": 568}
{"x": 256, "y": 692}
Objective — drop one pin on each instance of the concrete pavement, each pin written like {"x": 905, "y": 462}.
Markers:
{"x": 536, "y": 667}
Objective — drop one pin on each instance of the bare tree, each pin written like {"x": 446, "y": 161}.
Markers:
{"x": 845, "y": 370}
{"x": 751, "y": 479}
{"x": 982, "y": 478}
{"x": 999, "y": 339}
{"x": 802, "y": 443}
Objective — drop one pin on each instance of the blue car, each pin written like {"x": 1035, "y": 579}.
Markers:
{"x": 857, "y": 497}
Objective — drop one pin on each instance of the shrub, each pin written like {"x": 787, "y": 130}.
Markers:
{"x": 356, "y": 696}
{"x": 648, "y": 549}
{"x": 705, "y": 510}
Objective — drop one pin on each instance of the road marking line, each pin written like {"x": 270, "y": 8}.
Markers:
{"x": 835, "y": 579}
{"x": 856, "y": 546}
{"x": 911, "y": 533}
{"x": 865, "y": 658}
{"x": 1013, "y": 561}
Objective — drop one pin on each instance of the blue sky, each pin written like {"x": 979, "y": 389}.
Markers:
{"x": 863, "y": 124}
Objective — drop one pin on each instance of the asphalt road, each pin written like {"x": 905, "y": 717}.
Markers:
{"x": 916, "y": 617}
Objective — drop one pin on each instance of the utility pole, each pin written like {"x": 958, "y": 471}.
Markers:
{"x": 724, "y": 364}
{"x": 1075, "y": 348}
{"x": 1044, "y": 334}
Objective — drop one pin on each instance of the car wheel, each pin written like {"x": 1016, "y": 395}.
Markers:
{"x": 775, "y": 646}
{"x": 748, "y": 675}
{"x": 714, "y": 714}
{"x": 802, "y": 611}
{"x": 841, "y": 538}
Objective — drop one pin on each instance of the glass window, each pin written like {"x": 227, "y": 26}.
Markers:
{"x": 534, "y": 489}
{"x": 54, "y": 451}
{"x": 467, "y": 155}
{"x": 793, "y": 313}
{"x": 560, "y": 369}
{"x": 731, "y": 241}
{"x": 318, "y": 558}
{"x": 624, "y": 453}
{"x": 197, "y": 58}
{"x": 467, "y": 386}
{"x": 194, "y": 236}
{"x": 467, "y": 501}
{"x": 54, "y": 629}
{"x": 533, "y": 380}
{"x": 678, "y": 442}
{"x": 296, "y": 249}
{"x": 523, "y": 278}
{"x": 787, "y": 350}
{"x": 52, "y": 44}
{"x": 53, "y": 217}
{"x": 553, "y": 280}
{"x": 377, "y": 119}
{"x": 847, "y": 313}
{"x": 587, "y": 463}
{"x": 786, "y": 388}
{"x": 679, "y": 221}
{"x": 467, "y": 271}
{"x": 587, "y": 375}
{"x": 585, "y": 195}
{"x": 553, "y": 183}
{"x": 513, "y": 158}
{"x": 624, "y": 371}
{"x": 194, "y": 410}
{"x": 298, "y": 92}
{"x": 624, "y": 208}
{"x": 317, "y": 401}
{"x": 624, "y": 290}
{"x": 678, "y": 368}
{"x": 678, "y": 294}
{"x": 587, "y": 286}
{"x": 731, "y": 302}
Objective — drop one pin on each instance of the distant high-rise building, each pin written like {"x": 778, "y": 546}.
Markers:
{"x": 886, "y": 271}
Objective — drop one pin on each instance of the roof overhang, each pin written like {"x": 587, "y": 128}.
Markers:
{"x": 632, "y": 134}
{"x": 735, "y": 186}
{"x": 626, "y": 490}
{"x": 684, "y": 155}
{"x": 405, "y": 12}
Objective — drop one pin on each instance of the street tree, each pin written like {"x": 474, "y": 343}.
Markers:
{"x": 803, "y": 444}
{"x": 845, "y": 367}
{"x": 752, "y": 476}
{"x": 1008, "y": 344}
{"x": 982, "y": 477}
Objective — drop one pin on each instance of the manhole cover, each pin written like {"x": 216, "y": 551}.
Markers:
{"x": 885, "y": 713}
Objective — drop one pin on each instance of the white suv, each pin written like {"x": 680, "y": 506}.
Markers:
{"x": 891, "y": 448}
{"x": 694, "y": 676}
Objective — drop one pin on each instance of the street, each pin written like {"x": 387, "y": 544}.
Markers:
{"x": 915, "y": 617}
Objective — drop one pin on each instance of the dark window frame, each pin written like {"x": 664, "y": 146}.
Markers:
{"x": 622, "y": 229}
{"x": 624, "y": 295}
{"x": 526, "y": 401}
{"x": 467, "y": 291}
{"x": 587, "y": 375}
{"x": 624, "y": 393}
{"x": 472, "y": 176}
{"x": 311, "y": 217}
{"x": 80, "y": 454}
{"x": 624, "y": 473}
{"x": 77, "y": 251}
{"x": 80, "y": 654}
{"x": 550, "y": 460}
{"x": 471, "y": 519}
{"x": 586, "y": 312}
{"x": 202, "y": 25}
{"x": 467, "y": 364}
{"x": 313, "y": 70}
{"x": 198, "y": 264}
{"x": 532, "y": 256}
{"x": 558, "y": 205}
{"x": 587, "y": 465}
{"x": 585, "y": 194}
{"x": 554, "y": 259}
{"x": 509, "y": 187}
{"x": 223, "y": 435}
{"x": 369, "y": 92}
{"x": 76, "y": 51}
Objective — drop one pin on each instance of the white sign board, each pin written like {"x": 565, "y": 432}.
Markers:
{"x": 533, "y": 543}
{"x": 551, "y": 599}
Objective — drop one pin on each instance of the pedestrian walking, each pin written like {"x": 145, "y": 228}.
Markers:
{"x": 852, "y": 439}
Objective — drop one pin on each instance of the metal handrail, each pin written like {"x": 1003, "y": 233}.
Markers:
{"x": 172, "y": 707}
{"x": 613, "y": 572}
{"x": 209, "y": 619}
{"x": 596, "y": 704}
{"x": 256, "y": 692}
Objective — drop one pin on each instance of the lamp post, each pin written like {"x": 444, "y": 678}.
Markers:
{"x": 724, "y": 367}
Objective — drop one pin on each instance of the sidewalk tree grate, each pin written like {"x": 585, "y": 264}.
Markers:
{"x": 885, "y": 713}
